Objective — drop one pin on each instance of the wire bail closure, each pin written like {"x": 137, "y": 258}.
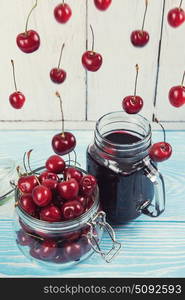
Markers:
{"x": 100, "y": 220}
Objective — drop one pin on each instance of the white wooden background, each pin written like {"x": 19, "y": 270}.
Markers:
{"x": 87, "y": 96}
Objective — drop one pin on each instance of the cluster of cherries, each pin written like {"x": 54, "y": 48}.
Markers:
{"x": 60, "y": 193}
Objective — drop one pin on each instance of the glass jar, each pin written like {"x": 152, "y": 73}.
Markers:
{"x": 7, "y": 174}
{"x": 129, "y": 181}
{"x": 63, "y": 244}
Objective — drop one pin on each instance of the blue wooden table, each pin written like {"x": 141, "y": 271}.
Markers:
{"x": 150, "y": 247}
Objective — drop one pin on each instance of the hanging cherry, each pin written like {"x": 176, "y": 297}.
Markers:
{"x": 176, "y": 16}
{"x": 140, "y": 38}
{"x": 177, "y": 94}
{"x": 102, "y": 4}
{"x": 160, "y": 151}
{"x": 133, "y": 104}
{"x": 63, "y": 142}
{"x": 62, "y": 12}
{"x": 28, "y": 41}
{"x": 92, "y": 60}
{"x": 58, "y": 75}
{"x": 16, "y": 99}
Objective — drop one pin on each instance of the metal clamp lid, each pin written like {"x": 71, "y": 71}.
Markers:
{"x": 100, "y": 220}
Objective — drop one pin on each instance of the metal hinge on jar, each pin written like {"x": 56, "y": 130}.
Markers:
{"x": 100, "y": 220}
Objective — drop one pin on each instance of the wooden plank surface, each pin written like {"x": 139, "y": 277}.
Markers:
{"x": 172, "y": 64}
{"x": 115, "y": 80}
{"x": 150, "y": 247}
{"x": 32, "y": 70}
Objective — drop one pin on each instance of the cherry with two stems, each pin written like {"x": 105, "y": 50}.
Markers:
{"x": 102, "y": 4}
{"x": 58, "y": 75}
{"x": 160, "y": 151}
{"x": 62, "y": 12}
{"x": 92, "y": 60}
{"x": 17, "y": 98}
{"x": 63, "y": 142}
{"x": 133, "y": 104}
{"x": 176, "y": 16}
{"x": 177, "y": 94}
{"x": 28, "y": 41}
{"x": 140, "y": 38}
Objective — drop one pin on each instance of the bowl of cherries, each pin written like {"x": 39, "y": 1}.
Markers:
{"x": 58, "y": 217}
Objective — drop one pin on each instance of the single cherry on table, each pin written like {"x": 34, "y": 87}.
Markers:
{"x": 176, "y": 16}
{"x": 92, "y": 60}
{"x": 140, "y": 38}
{"x": 177, "y": 94}
{"x": 133, "y": 104}
{"x": 62, "y": 12}
{"x": 29, "y": 40}
{"x": 102, "y": 4}
{"x": 16, "y": 99}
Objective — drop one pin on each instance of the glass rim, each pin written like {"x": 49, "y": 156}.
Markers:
{"x": 126, "y": 146}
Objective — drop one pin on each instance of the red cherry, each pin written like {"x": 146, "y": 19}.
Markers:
{"x": 177, "y": 96}
{"x": 176, "y": 17}
{"x": 87, "y": 185}
{"x": 55, "y": 164}
{"x": 160, "y": 151}
{"x": 27, "y": 204}
{"x": 48, "y": 249}
{"x": 72, "y": 251}
{"x": 72, "y": 209}
{"x": 48, "y": 175}
{"x": 29, "y": 41}
{"x": 73, "y": 173}
{"x": 68, "y": 189}
{"x": 42, "y": 196}
{"x": 35, "y": 250}
{"x": 27, "y": 183}
{"x": 92, "y": 61}
{"x": 63, "y": 143}
{"x": 62, "y": 13}
{"x": 70, "y": 237}
{"x": 139, "y": 38}
{"x": 23, "y": 238}
{"x": 58, "y": 75}
{"x": 83, "y": 200}
{"x": 50, "y": 213}
{"x": 132, "y": 104}
{"x": 102, "y": 4}
{"x": 17, "y": 100}
{"x": 50, "y": 184}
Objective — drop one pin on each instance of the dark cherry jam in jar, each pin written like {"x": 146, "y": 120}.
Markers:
{"x": 119, "y": 159}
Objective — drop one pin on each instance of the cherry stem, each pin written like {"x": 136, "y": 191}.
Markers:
{"x": 28, "y": 158}
{"x": 146, "y": 7}
{"x": 180, "y": 3}
{"x": 60, "y": 58}
{"x": 63, "y": 2}
{"x": 69, "y": 159}
{"x": 62, "y": 113}
{"x": 13, "y": 67}
{"x": 24, "y": 162}
{"x": 92, "y": 31}
{"x": 183, "y": 77}
{"x": 164, "y": 132}
{"x": 75, "y": 157}
{"x": 137, "y": 72}
{"x": 26, "y": 27}
{"x": 18, "y": 171}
